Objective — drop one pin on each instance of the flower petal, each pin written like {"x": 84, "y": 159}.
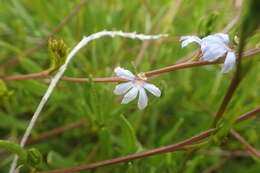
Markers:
{"x": 131, "y": 95}
{"x": 224, "y": 37}
{"x": 212, "y": 52}
{"x": 212, "y": 48}
{"x": 143, "y": 99}
{"x": 123, "y": 88}
{"x": 123, "y": 73}
{"x": 152, "y": 89}
{"x": 229, "y": 62}
{"x": 189, "y": 39}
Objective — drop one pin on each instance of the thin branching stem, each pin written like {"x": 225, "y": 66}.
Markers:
{"x": 248, "y": 115}
{"x": 249, "y": 147}
{"x": 56, "y": 131}
{"x": 170, "y": 148}
{"x": 156, "y": 72}
{"x": 63, "y": 68}
{"x": 237, "y": 78}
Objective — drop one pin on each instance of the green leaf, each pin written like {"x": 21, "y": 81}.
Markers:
{"x": 129, "y": 137}
{"x": 105, "y": 140}
{"x": 14, "y": 148}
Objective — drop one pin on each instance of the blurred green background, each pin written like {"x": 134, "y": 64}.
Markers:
{"x": 189, "y": 96}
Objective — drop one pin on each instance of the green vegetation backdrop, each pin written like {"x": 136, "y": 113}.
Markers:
{"x": 107, "y": 129}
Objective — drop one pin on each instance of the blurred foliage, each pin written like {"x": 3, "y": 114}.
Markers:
{"x": 189, "y": 97}
{"x": 4, "y": 93}
{"x": 31, "y": 158}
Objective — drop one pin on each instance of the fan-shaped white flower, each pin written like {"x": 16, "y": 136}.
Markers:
{"x": 136, "y": 85}
{"x": 213, "y": 47}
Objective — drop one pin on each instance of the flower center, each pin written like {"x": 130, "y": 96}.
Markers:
{"x": 142, "y": 76}
{"x": 227, "y": 47}
{"x": 139, "y": 82}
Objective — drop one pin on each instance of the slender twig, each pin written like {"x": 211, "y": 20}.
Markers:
{"x": 161, "y": 150}
{"x": 45, "y": 41}
{"x": 52, "y": 132}
{"x": 237, "y": 78}
{"x": 63, "y": 68}
{"x": 250, "y": 148}
{"x": 248, "y": 115}
{"x": 231, "y": 90}
{"x": 116, "y": 79}
{"x": 56, "y": 131}
{"x": 188, "y": 57}
{"x": 170, "y": 148}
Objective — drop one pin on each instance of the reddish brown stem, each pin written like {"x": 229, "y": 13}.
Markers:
{"x": 194, "y": 64}
{"x": 161, "y": 150}
{"x": 116, "y": 79}
{"x": 56, "y": 131}
{"x": 231, "y": 90}
{"x": 27, "y": 76}
{"x": 174, "y": 147}
{"x": 248, "y": 115}
{"x": 250, "y": 148}
{"x": 99, "y": 80}
{"x": 236, "y": 80}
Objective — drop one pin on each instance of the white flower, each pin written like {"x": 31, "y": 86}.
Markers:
{"x": 213, "y": 47}
{"x": 137, "y": 84}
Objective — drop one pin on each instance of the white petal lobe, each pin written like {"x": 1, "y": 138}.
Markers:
{"x": 131, "y": 95}
{"x": 213, "y": 47}
{"x": 123, "y": 73}
{"x": 152, "y": 89}
{"x": 224, "y": 37}
{"x": 123, "y": 88}
{"x": 212, "y": 52}
{"x": 143, "y": 100}
{"x": 229, "y": 62}
{"x": 189, "y": 39}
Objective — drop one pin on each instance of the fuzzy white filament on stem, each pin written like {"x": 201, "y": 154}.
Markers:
{"x": 61, "y": 71}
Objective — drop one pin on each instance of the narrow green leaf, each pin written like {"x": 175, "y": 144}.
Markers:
{"x": 129, "y": 137}
{"x": 14, "y": 148}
